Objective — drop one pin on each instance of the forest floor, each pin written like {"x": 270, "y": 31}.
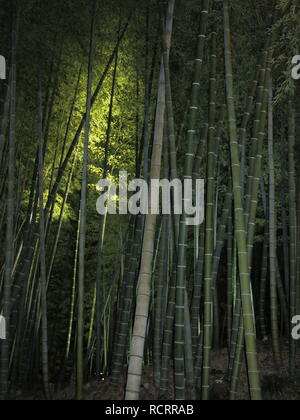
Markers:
{"x": 277, "y": 383}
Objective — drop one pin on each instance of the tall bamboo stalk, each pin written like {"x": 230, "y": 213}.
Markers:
{"x": 43, "y": 270}
{"x": 10, "y": 227}
{"x": 144, "y": 282}
{"x": 240, "y": 230}
{"x": 182, "y": 240}
{"x": 273, "y": 229}
{"x": 209, "y": 226}
{"x": 83, "y": 214}
{"x": 102, "y": 223}
{"x": 292, "y": 222}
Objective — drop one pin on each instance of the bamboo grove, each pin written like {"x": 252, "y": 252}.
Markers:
{"x": 149, "y": 304}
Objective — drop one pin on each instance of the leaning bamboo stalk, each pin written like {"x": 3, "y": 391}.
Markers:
{"x": 83, "y": 214}
{"x": 126, "y": 303}
{"x": 209, "y": 227}
{"x": 102, "y": 225}
{"x": 43, "y": 271}
{"x": 263, "y": 288}
{"x": 144, "y": 283}
{"x": 256, "y": 129}
{"x": 257, "y": 171}
{"x": 240, "y": 229}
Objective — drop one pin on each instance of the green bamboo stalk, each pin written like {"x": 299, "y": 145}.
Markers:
{"x": 43, "y": 270}
{"x": 256, "y": 130}
{"x": 127, "y": 303}
{"x": 216, "y": 261}
{"x": 273, "y": 230}
{"x": 170, "y": 122}
{"x": 240, "y": 230}
{"x": 229, "y": 276}
{"x": 159, "y": 312}
{"x": 236, "y": 314}
{"x": 245, "y": 122}
{"x": 201, "y": 151}
{"x": 209, "y": 227}
{"x": 10, "y": 227}
{"x": 197, "y": 293}
{"x": 199, "y": 357}
{"x": 284, "y": 216}
{"x": 168, "y": 338}
{"x": 60, "y": 220}
{"x": 298, "y": 250}
{"x": 73, "y": 293}
{"x": 144, "y": 282}
{"x": 237, "y": 364}
{"x": 263, "y": 287}
{"x": 182, "y": 241}
{"x": 189, "y": 360}
{"x": 257, "y": 171}
{"x": 102, "y": 224}
{"x": 292, "y": 222}
{"x": 83, "y": 214}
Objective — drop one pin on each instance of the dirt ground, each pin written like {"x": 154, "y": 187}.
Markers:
{"x": 277, "y": 383}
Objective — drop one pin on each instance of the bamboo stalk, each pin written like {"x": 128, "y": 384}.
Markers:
{"x": 240, "y": 230}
